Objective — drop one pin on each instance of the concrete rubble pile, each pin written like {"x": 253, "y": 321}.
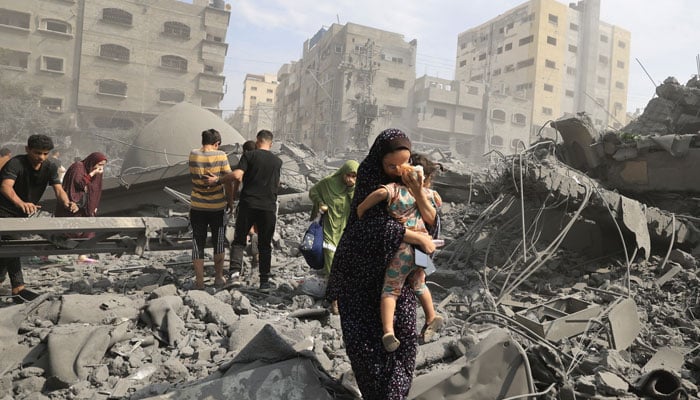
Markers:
{"x": 646, "y": 155}
{"x": 550, "y": 284}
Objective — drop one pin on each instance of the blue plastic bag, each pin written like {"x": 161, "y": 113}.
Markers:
{"x": 311, "y": 246}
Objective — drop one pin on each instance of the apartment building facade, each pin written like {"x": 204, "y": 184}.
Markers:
{"x": 258, "y": 104}
{"x": 351, "y": 82}
{"x": 115, "y": 65}
{"x": 452, "y": 116}
{"x": 560, "y": 59}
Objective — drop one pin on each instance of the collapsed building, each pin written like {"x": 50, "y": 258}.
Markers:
{"x": 566, "y": 275}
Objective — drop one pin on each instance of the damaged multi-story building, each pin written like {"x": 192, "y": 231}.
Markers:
{"x": 563, "y": 59}
{"x": 108, "y": 66}
{"x": 351, "y": 82}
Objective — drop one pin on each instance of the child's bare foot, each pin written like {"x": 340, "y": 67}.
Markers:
{"x": 431, "y": 328}
{"x": 390, "y": 342}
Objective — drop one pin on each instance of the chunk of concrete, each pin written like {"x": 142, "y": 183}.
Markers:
{"x": 494, "y": 368}
{"x": 73, "y": 349}
{"x": 210, "y": 309}
{"x": 624, "y": 324}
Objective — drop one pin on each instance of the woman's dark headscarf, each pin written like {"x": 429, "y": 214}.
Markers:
{"x": 356, "y": 281}
{"x": 77, "y": 180}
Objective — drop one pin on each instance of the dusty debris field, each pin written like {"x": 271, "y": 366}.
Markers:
{"x": 127, "y": 327}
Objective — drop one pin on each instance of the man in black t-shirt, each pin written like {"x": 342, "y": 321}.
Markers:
{"x": 259, "y": 172}
{"x": 23, "y": 181}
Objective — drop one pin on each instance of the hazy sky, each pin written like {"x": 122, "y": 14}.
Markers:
{"x": 264, "y": 34}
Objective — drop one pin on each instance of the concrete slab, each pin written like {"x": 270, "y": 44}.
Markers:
{"x": 624, "y": 324}
{"x": 665, "y": 358}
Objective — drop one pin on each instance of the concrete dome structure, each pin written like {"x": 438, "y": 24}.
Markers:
{"x": 168, "y": 139}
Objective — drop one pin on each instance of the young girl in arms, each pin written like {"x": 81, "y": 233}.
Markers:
{"x": 415, "y": 211}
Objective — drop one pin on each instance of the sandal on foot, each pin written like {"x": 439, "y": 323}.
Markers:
{"x": 390, "y": 342}
{"x": 429, "y": 330}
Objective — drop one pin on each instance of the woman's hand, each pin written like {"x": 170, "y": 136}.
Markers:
{"x": 413, "y": 181}
{"x": 423, "y": 240}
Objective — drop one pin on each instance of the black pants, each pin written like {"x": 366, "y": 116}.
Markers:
{"x": 13, "y": 266}
{"x": 265, "y": 221}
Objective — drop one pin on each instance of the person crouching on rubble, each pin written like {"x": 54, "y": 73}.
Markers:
{"x": 83, "y": 184}
{"x": 23, "y": 181}
{"x": 416, "y": 210}
{"x": 208, "y": 205}
{"x": 357, "y": 277}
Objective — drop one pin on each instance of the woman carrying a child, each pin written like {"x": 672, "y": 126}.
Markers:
{"x": 418, "y": 212}
{"x": 357, "y": 276}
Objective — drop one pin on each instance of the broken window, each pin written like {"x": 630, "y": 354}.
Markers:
{"x": 525, "y": 63}
{"x": 113, "y": 123}
{"x": 550, "y": 64}
{"x": 114, "y": 51}
{"x": 176, "y": 29}
{"x": 498, "y": 115}
{"x": 508, "y": 46}
{"x": 519, "y": 119}
{"x": 171, "y": 96}
{"x": 174, "y": 62}
{"x": 111, "y": 87}
{"x": 13, "y": 58}
{"x": 52, "y": 64}
{"x": 439, "y": 112}
{"x": 523, "y": 87}
{"x": 117, "y": 16}
{"x": 525, "y": 40}
{"x": 396, "y": 83}
{"x": 51, "y": 103}
{"x": 463, "y": 63}
{"x": 548, "y": 88}
{"x": 56, "y": 26}
{"x": 553, "y": 19}
{"x": 551, "y": 40}
{"x": 14, "y": 19}
{"x": 573, "y": 48}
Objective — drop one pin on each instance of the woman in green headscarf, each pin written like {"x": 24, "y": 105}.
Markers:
{"x": 334, "y": 191}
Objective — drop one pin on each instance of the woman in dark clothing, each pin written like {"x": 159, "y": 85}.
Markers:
{"x": 83, "y": 184}
{"x": 363, "y": 253}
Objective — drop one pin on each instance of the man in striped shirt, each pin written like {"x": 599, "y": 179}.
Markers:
{"x": 208, "y": 205}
